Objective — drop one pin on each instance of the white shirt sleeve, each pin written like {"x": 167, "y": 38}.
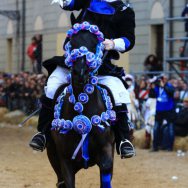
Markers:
{"x": 119, "y": 44}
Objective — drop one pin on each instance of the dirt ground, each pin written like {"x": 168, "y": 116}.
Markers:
{"x": 20, "y": 167}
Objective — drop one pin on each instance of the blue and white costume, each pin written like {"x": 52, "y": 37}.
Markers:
{"x": 118, "y": 29}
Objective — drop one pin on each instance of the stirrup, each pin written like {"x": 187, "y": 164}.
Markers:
{"x": 60, "y": 183}
{"x": 129, "y": 154}
{"x": 41, "y": 138}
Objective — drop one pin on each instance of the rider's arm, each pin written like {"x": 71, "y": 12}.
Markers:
{"x": 125, "y": 24}
{"x": 125, "y": 21}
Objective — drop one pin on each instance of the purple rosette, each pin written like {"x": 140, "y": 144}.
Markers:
{"x": 70, "y": 32}
{"x": 94, "y": 29}
{"x": 83, "y": 98}
{"x": 100, "y": 36}
{"x": 95, "y": 120}
{"x": 89, "y": 89}
{"x": 112, "y": 115}
{"x": 68, "y": 62}
{"x": 56, "y": 114}
{"x": 109, "y": 105}
{"x": 69, "y": 89}
{"x": 85, "y": 25}
{"x": 93, "y": 80}
{"x": 74, "y": 53}
{"x": 104, "y": 117}
{"x": 69, "y": 78}
{"x": 83, "y": 50}
{"x": 56, "y": 107}
{"x": 55, "y": 124}
{"x": 78, "y": 107}
{"x": 93, "y": 65}
{"x": 66, "y": 126}
{"x": 72, "y": 99}
{"x": 77, "y": 27}
{"x": 82, "y": 124}
{"x": 90, "y": 56}
{"x": 67, "y": 46}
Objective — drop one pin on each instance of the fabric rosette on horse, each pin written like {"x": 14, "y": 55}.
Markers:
{"x": 81, "y": 130}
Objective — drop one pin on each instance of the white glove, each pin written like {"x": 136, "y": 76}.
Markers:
{"x": 108, "y": 44}
{"x": 58, "y": 1}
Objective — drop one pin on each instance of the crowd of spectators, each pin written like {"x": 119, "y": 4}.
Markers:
{"x": 21, "y": 91}
{"x": 147, "y": 110}
{"x": 158, "y": 104}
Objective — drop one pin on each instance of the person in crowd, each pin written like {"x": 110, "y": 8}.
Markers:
{"x": 31, "y": 52}
{"x": 117, "y": 22}
{"x": 134, "y": 105}
{"x": 164, "y": 115}
{"x": 149, "y": 116}
{"x": 152, "y": 64}
{"x": 181, "y": 122}
{"x": 185, "y": 14}
{"x": 38, "y": 54}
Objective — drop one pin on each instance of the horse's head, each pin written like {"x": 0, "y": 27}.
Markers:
{"x": 84, "y": 52}
{"x": 80, "y": 68}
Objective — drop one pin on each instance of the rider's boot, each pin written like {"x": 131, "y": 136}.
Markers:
{"x": 38, "y": 142}
{"x": 124, "y": 146}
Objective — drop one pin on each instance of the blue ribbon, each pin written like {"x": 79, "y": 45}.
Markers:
{"x": 85, "y": 151}
{"x": 101, "y": 7}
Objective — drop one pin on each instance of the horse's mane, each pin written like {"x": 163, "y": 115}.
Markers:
{"x": 84, "y": 38}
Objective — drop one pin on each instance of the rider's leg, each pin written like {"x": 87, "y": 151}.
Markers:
{"x": 56, "y": 79}
{"x": 121, "y": 129}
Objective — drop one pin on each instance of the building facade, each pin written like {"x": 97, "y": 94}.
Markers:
{"x": 52, "y": 23}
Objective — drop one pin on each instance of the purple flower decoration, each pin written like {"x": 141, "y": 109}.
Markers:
{"x": 83, "y": 98}
{"x": 56, "y": 114}
{"x": 90, "y": 56}
{"x": 72, "y": 99}
{"x": 94, "y": 29}
{"x": 69, "y": 89}
{"x": 94, "y": 80}
{"x": 70, "y": 33}
{"x": 83, "y": 50}
{"x": 85, "y": 25}
{"x": 95, "y": 120}
{"x": 82, "y": 124}
{"x": 112, "y": 115}
{"x": 78, "y": 107}
{"x": 104, "y": 117}
{"x": 93, "y": 65}
{"x": 69, "y": 78}
{"x": 68, "y": 125}
{"x": 89, "y": 89}
{"x": 55, "y": 124}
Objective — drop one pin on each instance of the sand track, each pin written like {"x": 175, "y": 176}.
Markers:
{"x": 20, "y": 167}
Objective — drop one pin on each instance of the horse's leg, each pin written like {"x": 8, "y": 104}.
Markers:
{"x": 54, "y": 161}
{"x": 106, "y": 159}
{"x": 68, "y": 173}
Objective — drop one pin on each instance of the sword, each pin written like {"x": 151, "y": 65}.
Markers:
{"x": 30, "y": 116}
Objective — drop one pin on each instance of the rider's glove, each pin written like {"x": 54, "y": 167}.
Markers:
{"x": 116, "y": 44}
{"x": 108, "y": 44}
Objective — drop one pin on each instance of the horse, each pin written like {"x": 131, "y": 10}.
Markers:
{"x": 100, "y": 142}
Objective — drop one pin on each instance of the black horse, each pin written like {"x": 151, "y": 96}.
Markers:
{"x": 61, "y": 147}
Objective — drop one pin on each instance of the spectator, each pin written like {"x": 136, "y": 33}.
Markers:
{"x": 164, "y": 115}
{"x": 31, "y": 53}
{"x": 151, "y": 64}
{"x": 181, "y": 123}
{"x": 38, "y": 54}
{"x": 185, "y": 14}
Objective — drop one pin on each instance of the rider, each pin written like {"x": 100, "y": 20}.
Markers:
{"x": 117, "y": 22}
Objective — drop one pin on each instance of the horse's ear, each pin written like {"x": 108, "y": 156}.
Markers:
{"x": 72, "y": 18}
